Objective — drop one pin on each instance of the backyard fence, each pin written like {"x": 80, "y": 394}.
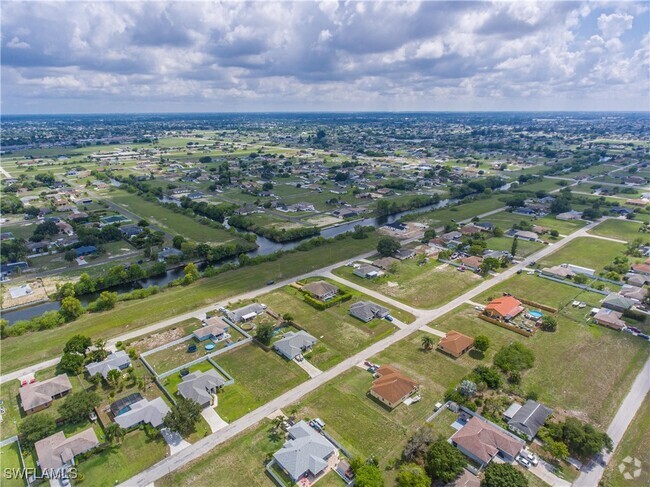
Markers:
{"x": 574, "y": 284}
{"x": 505, "y": 325}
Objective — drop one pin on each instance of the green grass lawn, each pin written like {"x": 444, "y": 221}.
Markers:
{"x": 620, "y": 229}
{"x": 426, "y": 286}
{"x": 563, "y": 360}
{"x": 635, "y": 444}
{"x": 171, "y": 382}
{"x": 171, "y": 221}
{"x": 243, "y": 457}
{"x": 588, "y": 252}
{"x": 259, "y": 377}
{"x": 31, "y": 348}
{"x": 459, "y": 212}
{"x": 524, "y": 247}
{"x": 119, "y": 462}
{"x": 339, "y": 334}
{"x": 10, "y": 459}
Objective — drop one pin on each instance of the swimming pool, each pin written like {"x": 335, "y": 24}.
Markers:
{"x": 209, "y": 346}
{"x": 535, "y": 314}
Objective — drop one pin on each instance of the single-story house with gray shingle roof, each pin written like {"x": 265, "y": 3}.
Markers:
{"x": 529, "y": 418}
{"x": 115, "y": 361}
{"x": 306, "y": 453}
{"x": 214, "y": 328}
{"x": 294, "y": 343}
{"x": 367, "y": 311}
{"x": 56, "y": 453}
{"x": 633, "y": 293}
{"x": 617, "y": 302}
{"x": 367, "y": 271}
{"x": 403, "y": 254}
{"x": 200, "y": 386}
{"x": 385, "y": 262}
{"x": 143, "y": 411}
{"x": 39, "y": 395}
{"x": 322, "y": 290}
{"x": 246, "y": 313}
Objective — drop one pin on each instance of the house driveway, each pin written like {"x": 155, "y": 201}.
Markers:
{"x": 213, "y": 419}
{"x": 174, "y": 440}
{"x": 312, "y": 370}
{"x": 545, "y": 472}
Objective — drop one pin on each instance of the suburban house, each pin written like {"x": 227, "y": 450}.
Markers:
{"x": 215, "y": 329}
{"x": 609, "y": 318}
{"x": 481, "y": 441}
{"x": 470, "y": 230}
{"x": 633, "y": 293}
{"x": 56, "y": 453}
{"x": 578, "y": 269}
{"x": 504, "y": 308}
{"x": 115, "y": 361}
{"x": 636, "y": 279}
{"x": 558, "y": 271}
{"x": 306, "y": 453}
{"x": 392, "y": 387}
{"x": 367, "y": 310}
{"x": 39, "y": 395}
{"x": 617, "y": 302}
{"x": 404, "y": 254}
{"x": 321, "y": 290}
{"x": 455, "y": 344}
{"x": 472, "y": 262}
{"x": 246, "y": 313}
{"x": 385, "y": 262}
{"x": 569, "y": 215}
{"x": 643, "y": 269}
{"x": 524, "y": 235}
{"x": 85, "y": 250}
{"x": 367, "y": 271}
{"x": 168, "y": 252}
{"x": 294, "y": 343}
{"x": 143, "y": 411}
{"x": 467, "y": 479}
{"x": 485, "y": 226}
{"x": 526, "y": 420}
{"x": 200, "y": 386}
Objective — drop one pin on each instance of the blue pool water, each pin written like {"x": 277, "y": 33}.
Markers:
{"x": 209, "y": 346}
{"x": 535, "y": 314}
{"x": 125, "y": 409}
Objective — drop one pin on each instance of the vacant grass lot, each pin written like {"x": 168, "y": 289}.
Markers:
{"x": 168, "y": 220}
{"x": 583, "y": 368}
{"x": 259, "y": 377}
{"x": 635, "y": 444}
{"x": 620, "y": 229}
{"x": 10, "y": 459}
{"x": 426, "y": 286}
{"x": 459, "y": 212}
{"x": 120, "y": 462}
{"x": 593, "y": 253}
{"x": 524, "y": 247}
{"x": 339, "y": 334}
{"x": 31, "y": 348}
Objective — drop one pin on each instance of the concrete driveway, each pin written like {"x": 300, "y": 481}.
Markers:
{"x": 174, "y": 440}
{"x": 312, "y": 370}
{"x": 213, "y": 419}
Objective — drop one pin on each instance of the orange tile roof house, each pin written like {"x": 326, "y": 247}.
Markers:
{"x": 481, "y": 441}
{"x": 455, "y": 344}
{"x": 392, "y": 387}
{"x": 504, "y": 308}
{"x": 473, "y": 262}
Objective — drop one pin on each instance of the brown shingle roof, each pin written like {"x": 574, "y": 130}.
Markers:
{"x": 40, "y": 393}
{"x": 55, "y": 451}
{"x": 484, "y": 440}
{"x": 455, "y": 343}
{"x": 392, "y": 385}
{"x": 320, "y": 288}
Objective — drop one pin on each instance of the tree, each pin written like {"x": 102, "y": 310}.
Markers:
{"x": 549, "y": 323}
{"x": 412, "y": 475}
{"x": 114, "y": 378}
{"x": 70, "y": 256}
{"x": 444, "y": 462}
{"x": 427, "y": 342}
{"x": 178, "y": 241}
{"x": 71, "y": 308}
{"x": 72, "y": 363}
{"x": 183, "y": 416}
{"x": 143, "y": 223}
{"x": 114, "y": 432}
{"x": 191, "y": 273}
{"x": 513, "y": 249}
{"x": 104, "y": 302}
{"x": 77, "y": 344}
{"x": 387, "y": 246}
{"x": 36, "y": 427}
{"x": 556, "y": 449}
{"x": 489, "y": 264}
{"x": 418, "y": 445}
{"x": 481, "y": 343}
{"x": 467, "y": 388}
{"x": 78, "y": 405}
{"x": 265, "y": 333}
{"x": 503, "y": 475}
{"x": 514, "y": 357}
{"x": 368, "y": 475}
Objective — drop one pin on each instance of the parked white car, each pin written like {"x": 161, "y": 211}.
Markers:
{"x": 523, "y": 462}
{"x": 530, "y": 456}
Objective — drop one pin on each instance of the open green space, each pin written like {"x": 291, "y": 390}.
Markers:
{"x": 593, "y": 253}
{"x": 563, "y": 359}
{"x": 10, "y": 462}
{"x": 259, "y": 377}
{"x": 169, "y": 220}
{"x": 543, "y": 185}
{"x": 31, "y": 348}
{"x": 460, "y": 212}
{"x": 636, "y": 445}
{"x": 621, "y": 230}
{"x": 118, "y": 463}
{"x": 339, "y": 334}
{"x": 421, "y": 286}
{"x": 524, "y": 247}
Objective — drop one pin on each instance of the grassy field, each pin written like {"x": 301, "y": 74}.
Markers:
{"x": 31, "y": 348}
{"x": 244, "y": 457}
{"x": 426, "y": 286}
{"x": 459, "y": 212}
{"x": 505, "y": 220}
{"x": 620, "y": 229}
{"x": 635, "y": 444}
{"x": 10, "y": 459}
{"x": 524, "y": 247}
{"x": 340, "y": 335}
{"x": 168, "y": 220}
{"x": 120, "y": 462}
{"x": 259, "y": 377}
{"x": 593, "y": 253}
{"x": 608, "y": 358}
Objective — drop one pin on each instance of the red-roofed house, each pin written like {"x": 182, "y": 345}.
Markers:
{"x": 392, "y": 387}
{"x": 504, "y": 308}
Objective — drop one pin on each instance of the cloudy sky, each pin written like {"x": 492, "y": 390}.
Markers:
{"x": 94, "y": 57}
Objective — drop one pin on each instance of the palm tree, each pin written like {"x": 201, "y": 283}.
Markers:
{"x": 114, "y": 378}
{"x": 427, "y": 342}
{"x": 114, "y": 432}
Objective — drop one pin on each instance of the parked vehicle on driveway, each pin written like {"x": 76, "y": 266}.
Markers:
{"x": 523, "y": 462}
